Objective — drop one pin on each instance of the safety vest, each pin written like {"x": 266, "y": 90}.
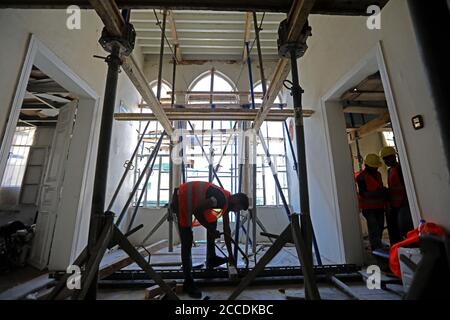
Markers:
{"x": 412, "y": 240}
{"x": 397, "y": 189}
{"x": 372, "y": 184}
{"x": 190, "y": 195}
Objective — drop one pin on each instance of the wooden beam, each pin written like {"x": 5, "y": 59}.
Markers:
{"x": 215, "y": 93}
{"x": 364, "y": 110}
{"x": 211, "y": 114}
{"x": 357, "y": 95}
{"x": 247, "y": 33}
{"x": 216, "y": 105}
{"x": 297, "y": 19}
{"x": 110, "y": 15}
{"x": 174, "y": 35}
{"x": 118, "y": 259}
{"x": 328, "y": 7}
{"x": 370, "y": 127}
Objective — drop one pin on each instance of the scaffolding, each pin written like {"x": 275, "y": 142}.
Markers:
{"x": 104, "y": 232}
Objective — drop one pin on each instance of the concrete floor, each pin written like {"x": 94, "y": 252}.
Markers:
{"x": 272, "y": 292}
{"x": 287, "y": 257}
{"x": 19, "y": 276}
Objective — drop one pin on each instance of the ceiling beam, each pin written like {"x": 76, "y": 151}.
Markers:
{"x": 34, "y": 106}
{"x": 111, "y": 17}
{"x": 297, "y": 19}
{"x": 52, "y": 97}
{"x": 202, "y": 36}
{"x": 364, "y": 110}
{"x": 219, "y": 5}
{"x": 247, "y": 33}
{"x": 328, "y": 7}
{"x": 43, "y": 100}
{"x": 45, "y": 86}
{"x": 174, "y": 35}
{"x": 36, "y": 118}
{"x": 211, "y": 114}
{"x": 216, "y": 105}
{"x": 370, "y": 127}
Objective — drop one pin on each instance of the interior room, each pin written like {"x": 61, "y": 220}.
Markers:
{"x": 224, "y": 150}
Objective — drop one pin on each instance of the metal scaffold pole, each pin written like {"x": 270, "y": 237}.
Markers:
{"x": 101, "y": 170}
{"x": 148, "y": 172}
{"x": 161, "y": 56}
{"x": 301, "y": 153}
{"x": 138, "y": 182}
{"x": 170, "y": 218}
{"x": 211, "y": 148}
{"x": 253, "y": 211}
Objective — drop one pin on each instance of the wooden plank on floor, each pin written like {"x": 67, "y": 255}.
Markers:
{"x": 118, "y": 259}
{"x": 22, "y": 290}
{"x": 152, "y": 292}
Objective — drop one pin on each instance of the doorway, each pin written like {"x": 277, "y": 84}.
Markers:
{"x": 45, "y": 157}
{"x": 380, "y": 119}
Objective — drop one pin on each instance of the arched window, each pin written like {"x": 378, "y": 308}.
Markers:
{"x": 165, "y": 89}
{"x": 222, "y": 87}
{"x": 211, "y": 86}
{"x": 258, "y": 91}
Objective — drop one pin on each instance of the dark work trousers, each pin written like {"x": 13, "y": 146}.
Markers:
{"x": 405, "y": 222}
{"x": 392, "y": 220}
{"x": 186, "y": 236}
{"x": 375, "y": 225}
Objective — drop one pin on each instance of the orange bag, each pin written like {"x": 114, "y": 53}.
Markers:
{"x": 412, "y": 240}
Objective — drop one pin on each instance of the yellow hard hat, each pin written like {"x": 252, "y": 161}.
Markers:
{"x": 387, "y": 151}
{"x": 372, "y": 160}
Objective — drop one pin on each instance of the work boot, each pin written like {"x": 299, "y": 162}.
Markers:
{"x": 215, "y": 262}
{"x": 192, "y": 290}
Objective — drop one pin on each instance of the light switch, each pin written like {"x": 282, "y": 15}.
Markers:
{"x": 418, "y": 122}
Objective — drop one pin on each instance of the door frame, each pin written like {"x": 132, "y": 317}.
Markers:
{"x": 42, "y": 57}
{"x": 374, "y": 61}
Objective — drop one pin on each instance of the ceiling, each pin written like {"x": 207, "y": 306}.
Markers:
{"x": 217, "y": 34}
{"x": 208, "y": 35}
{"x": 365, "y": 105}
{"x": 335, "y": 7}
{"x": 43, "y": 98}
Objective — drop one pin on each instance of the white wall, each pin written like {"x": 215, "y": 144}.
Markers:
{"x": 149, "y": 217}
{"x": 337, "y": 45}
{"x": 76, "y": 49}
{"x": 273, "y": 218}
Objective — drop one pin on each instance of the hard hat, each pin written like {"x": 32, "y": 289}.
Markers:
{"x": 387, "y": 151}
{"x": 372, "y": 160}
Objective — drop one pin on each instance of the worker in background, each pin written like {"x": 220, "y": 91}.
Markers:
{"x": 398, "y": 216}
{"x": 204, "y": 203}
{"x": 372, "y": 199}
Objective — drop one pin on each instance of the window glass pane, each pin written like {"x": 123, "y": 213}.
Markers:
{"x": 164, "y": 91}
{"x": 258, "y": 91}
{"x": 18, "y": 157}
{"x": 389, "y": 138}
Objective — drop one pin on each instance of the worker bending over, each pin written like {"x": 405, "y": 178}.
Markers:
{"x": 372, "y": 199}
{"x": 398, "y": 216}
{"x": 203, "y": 203}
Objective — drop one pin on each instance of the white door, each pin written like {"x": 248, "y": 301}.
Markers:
{"x": 52, "y": 186}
